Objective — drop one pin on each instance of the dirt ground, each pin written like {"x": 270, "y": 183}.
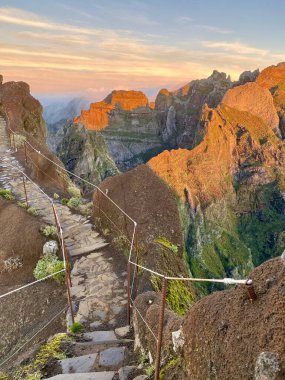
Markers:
{"x": 226, "y": 332}
{"x": 25, "y": 312}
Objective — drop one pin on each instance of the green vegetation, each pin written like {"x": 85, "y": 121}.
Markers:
{"x": 74, "y": 192}
{"x": 76, "y": 327}
{"x": 7, "y": 194}
{"x": 22, "y": 205}
{"x": 74, "y": 202}
{"x": 263, "y": 229}
{"x": 170, "y": 364}
{"x": 19, "y": 140}
{"x": 55, "y": 196}
{"x": 32, "y": 211}
{"x": 64, "y": 201}
{"x": 3, "y": 376}
{"x": 178, "y": 296}
{"x": 36, "y": 370}
{"x": 48, "y": 231}
{"x": 150, "y": 371}
{"x": 48, "y": 265}
{"x": 166, "y": 243}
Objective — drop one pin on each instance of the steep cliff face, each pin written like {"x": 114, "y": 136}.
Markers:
{"x": 233, "y": 185}
{"x": 84, "y": 153}
{"x": 188, "y": 103}
{"x": 229, "y": 337}
{"x": 24, "y": 111}
{"x": 25, "y": 118}
{"x": 273, "y": 78}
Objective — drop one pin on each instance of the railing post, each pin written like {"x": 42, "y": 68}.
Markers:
{"x": 137, "y": 250}
{"x": 160, "y": 329}
{"x": 129, "y": 294}
{"x": 68, "y": 281}
{"x": 26, "y": 195}
{"x": 250, "y": 290}
{"x": 67, "y": 266}
{"x": 13, "y": 134}
{"x": 25, "y": 149}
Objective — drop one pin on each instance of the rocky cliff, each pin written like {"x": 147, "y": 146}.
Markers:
{"x": 232, "y": 184}
{"x": 24, "y": 113}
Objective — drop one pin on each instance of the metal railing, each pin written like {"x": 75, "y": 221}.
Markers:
{"x": 133, "y": 258}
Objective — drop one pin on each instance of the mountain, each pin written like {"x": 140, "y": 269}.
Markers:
{"x": 26, "y": 119}
{"x": 233, "y": 181}
{"x": 57, "y": 111}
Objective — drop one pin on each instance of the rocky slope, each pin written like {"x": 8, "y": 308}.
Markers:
{"x": 233, "y": 185}
{"x": 25, "y": 118}
{"x": 84, "y": 153}
{"x": 239, "y": 339}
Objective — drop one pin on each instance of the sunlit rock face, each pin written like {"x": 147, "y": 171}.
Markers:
{"x": 23, "y": 110}
{"x": 231, "y": 185}
{"x": 97, "y": 117}
{"x": 273, "y": 78}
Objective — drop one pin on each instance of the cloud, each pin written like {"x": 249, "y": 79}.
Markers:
{"x": 20, "y": 17}
{"x": 214, "y": 29}
{"x": 236, "y": 47}
{"x": 60, "y": 39}
{"x": 184, "y": 19}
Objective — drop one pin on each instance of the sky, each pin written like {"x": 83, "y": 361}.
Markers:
{"x": 90, "y": 47}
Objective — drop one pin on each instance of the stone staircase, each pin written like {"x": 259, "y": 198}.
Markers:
{"x": 105, "y": 351}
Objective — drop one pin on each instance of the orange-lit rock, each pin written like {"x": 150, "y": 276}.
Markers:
{"x": 253, "y": 99}
{"x": 272, "y": 76}
{"x": 98, "y": 115}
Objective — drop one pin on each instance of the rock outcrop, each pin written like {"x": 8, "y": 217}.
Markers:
{"x": 229, "y": 337}
{"x": 84, "y": 153}
{"x": 98, "y": 116}
{"x": 273, "y": 78}
{"x": 253, "y": 99}
{"x": 232, "y": 184}
{"x": 24, "y": 114}
{"x": 23, "y": 110}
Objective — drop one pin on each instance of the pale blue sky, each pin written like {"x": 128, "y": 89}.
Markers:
{"x": 93, "y": 46}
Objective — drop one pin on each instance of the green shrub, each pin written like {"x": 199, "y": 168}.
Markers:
{"x": 149, "y": 371}
{"x": 64, "y": 201}
{"x": 7, "y": 194}
{"x": 48, "y": 231}
{"x": 55, "y": 196}
{"x": 3, "y": 376}
{"x": 32, "y": 211}
{"x": 74, "y": 192}
{"x": 76, "y": 327}
{"x": 166, "y": 243}
{"x": 23, "y": 205}
{"x": 74, "y": 202}
{"x": 19, "y": 140}
{"x": 48, "y": 265}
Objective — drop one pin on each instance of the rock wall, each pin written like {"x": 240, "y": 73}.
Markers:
{"x": 25, "y": 117}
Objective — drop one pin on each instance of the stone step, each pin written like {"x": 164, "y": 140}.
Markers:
{"x": 87, "y": 248}
{"x": 100, "y": 337}
{"x": 79, "y": 364}
{"x": 107, "y": 375}
{"x": 112, "y": 356}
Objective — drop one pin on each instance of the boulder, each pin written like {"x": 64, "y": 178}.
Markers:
{"x": 255, "y": 100}
{"x": 50, "y": 248}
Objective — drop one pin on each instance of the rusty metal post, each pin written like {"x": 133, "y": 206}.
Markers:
{"x": 14, "y": 140}
{"x": 160, "y": 329}
{"x": 55, "y": 218}
{"x": 67, "y": 268}
{"x": 25, "y": 189}
{"x": 68, "y": 281}
{"x": 137, "y": 250}
{"x": 250, "y": 290}
{"x": 129, "y": 294}
{"x": 25, "y": 150}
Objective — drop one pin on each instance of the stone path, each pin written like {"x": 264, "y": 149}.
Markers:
{"x": 99, "y": 294}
